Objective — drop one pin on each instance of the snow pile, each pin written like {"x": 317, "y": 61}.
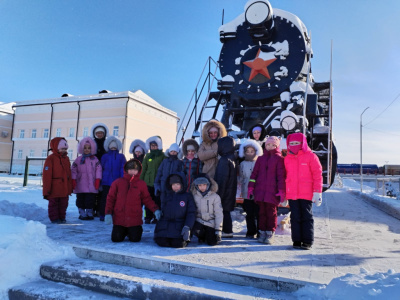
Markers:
{"x": 24, "y": 246}
{"x": 366, "y": 285}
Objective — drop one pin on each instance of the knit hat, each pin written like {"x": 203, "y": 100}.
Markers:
{"x": 175, "y": 179}
{"x": 153, "y": 143}
{"x": 62, "y": 144}
{"x": 257, "y": 128}
{"x": 190, "y": 147}
{"x": 99, "y": 129}
{"x": 273, "y": 140}
{"x": 113, "y": 144}
{"x": 138, "y": 148}
{"x": 201, "y": 180}
{"x": 174, "y": 147}
{"x": 132, "y": 164}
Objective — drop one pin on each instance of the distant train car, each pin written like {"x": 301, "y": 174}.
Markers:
{"x": 355, "y": 169}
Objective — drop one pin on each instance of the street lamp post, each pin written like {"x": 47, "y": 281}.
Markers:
{"x": 361, "y": 168}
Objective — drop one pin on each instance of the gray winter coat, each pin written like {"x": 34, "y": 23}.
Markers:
{"x": 209, "y": 207}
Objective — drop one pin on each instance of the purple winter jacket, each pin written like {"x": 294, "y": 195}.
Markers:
{"x": 86, "y": 174}
{"x": 268, "y": 177}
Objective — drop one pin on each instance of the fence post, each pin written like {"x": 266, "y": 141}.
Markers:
{"x": 26, "y": 172}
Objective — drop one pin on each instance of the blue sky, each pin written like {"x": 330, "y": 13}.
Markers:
{"x": 81, "y": 47}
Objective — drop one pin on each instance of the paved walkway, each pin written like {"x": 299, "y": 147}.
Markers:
{"x": 349, "y": 234}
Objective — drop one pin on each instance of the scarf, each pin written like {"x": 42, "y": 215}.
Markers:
{"x": 84, "y": 157}
{"x": 155, "y": 153}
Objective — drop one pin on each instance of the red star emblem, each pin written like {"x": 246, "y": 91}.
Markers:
{"x": 259, "y": 66}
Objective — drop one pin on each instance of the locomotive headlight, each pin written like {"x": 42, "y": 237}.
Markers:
{"x": 258, "y": 12}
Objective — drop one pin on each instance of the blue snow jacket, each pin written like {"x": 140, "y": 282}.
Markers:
{"x": 113, "y": 166}
{"x": 167, "y": 167}
{"x": 178, "y": 210}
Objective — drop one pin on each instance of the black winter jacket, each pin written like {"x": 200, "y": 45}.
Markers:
{"x": 226, "y": 173}
{"x": 178, "y": 210}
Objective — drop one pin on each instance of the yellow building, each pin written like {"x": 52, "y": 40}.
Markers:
{"x": 127, "y": 115}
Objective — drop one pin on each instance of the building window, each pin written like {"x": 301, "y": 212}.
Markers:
{"x": 115, "y": 130}
{"x": 22, "y": 133}
{"x": 70, "y": 153}
{"x": 71, "y": 132}
{"x": 33, "y": 134}
{"x": 31, "y": 153}
{"x": 58, "y": 132}
{"x": 44, "y": 153}
{"x": 85, "y": 131}
{"x": 46, "y": 133}
{"x": 19, "y": 154}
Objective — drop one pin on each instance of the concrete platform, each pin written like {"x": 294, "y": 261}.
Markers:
{"x": 349, "y": 235}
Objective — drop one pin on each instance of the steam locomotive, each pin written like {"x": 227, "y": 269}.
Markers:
{"x": 265, "y": 66}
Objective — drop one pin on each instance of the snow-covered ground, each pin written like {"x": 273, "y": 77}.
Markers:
{"x": 25, "y": 244}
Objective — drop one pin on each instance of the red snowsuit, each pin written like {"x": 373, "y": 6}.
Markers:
{"x": 126, "y": 198}
{"x": 57, "y": 182}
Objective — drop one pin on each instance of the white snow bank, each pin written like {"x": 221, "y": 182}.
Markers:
{"x": 366, "y": 285}
{"x": 24, "y": 246}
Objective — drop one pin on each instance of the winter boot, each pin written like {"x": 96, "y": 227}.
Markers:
{"x": 82, "y": 214}
{"x": 269, "y": 240}
{"x": 263, "y": 236}
{"x": 89, "y": 213}
{"x": 306, "y": 246}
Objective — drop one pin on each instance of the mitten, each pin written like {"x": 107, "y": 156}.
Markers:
{"x": 282, "y": 195}
{"x": 73, "y": 184}
{"x": 186, "y": 233}
{"x": 250, "y": 192}
{"x": 97, "y": 184}
{"x": 218, "y": 235}
{"x": 158, "y": 214}
{"x": 157, "y": 191}
{"x": 317, "y": 199}
{"x": 108, "y": 219}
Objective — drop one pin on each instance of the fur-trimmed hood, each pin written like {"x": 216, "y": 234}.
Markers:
{"x": 208, "y": 126}
{"x": 213, "y": 183}
{"x": 263, "y": 132}
{"x": 191, "y": 142}
{"x": 251, "y": 143}
{"x": 109, "y": 140}
{"x": 93, "y": 145}
{"x": 97, "y": 125}
{"x": 136, "y": 143}
{"x": 156, "y": 139}
{"x": 175, "y": 146}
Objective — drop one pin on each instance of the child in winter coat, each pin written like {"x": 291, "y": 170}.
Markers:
{"x": 303, "y": 187}
{"x": 209, "y": 215}
{"x": 86, "y": 175}
{"x": 191, "y": 163}
{"x": 267, "y": 185}
{"x": 168, "y": 166}
{"x": 151, "y": 162}
{"x": 125, "y": 199}
{"x": 178, "y": 214}
{"x": 112, "y": 164}
{"x": 57, "y": 183}
{"x": 226, "y": 178}
{"x": 138, "y": 149}
{"x": 250, "y": 150}
{"x": 258, "y": 134}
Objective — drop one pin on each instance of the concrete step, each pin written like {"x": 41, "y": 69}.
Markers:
{"x": 125, "y": 281}
{"x": 272, "y": 283}
{"x": 48, "y": 290}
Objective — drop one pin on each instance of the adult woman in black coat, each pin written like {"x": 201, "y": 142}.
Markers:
{"x": 226, "y": 178}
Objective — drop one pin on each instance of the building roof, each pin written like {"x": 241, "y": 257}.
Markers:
{"x": 7, "y": 107}
{"x": 137, "y": 95}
